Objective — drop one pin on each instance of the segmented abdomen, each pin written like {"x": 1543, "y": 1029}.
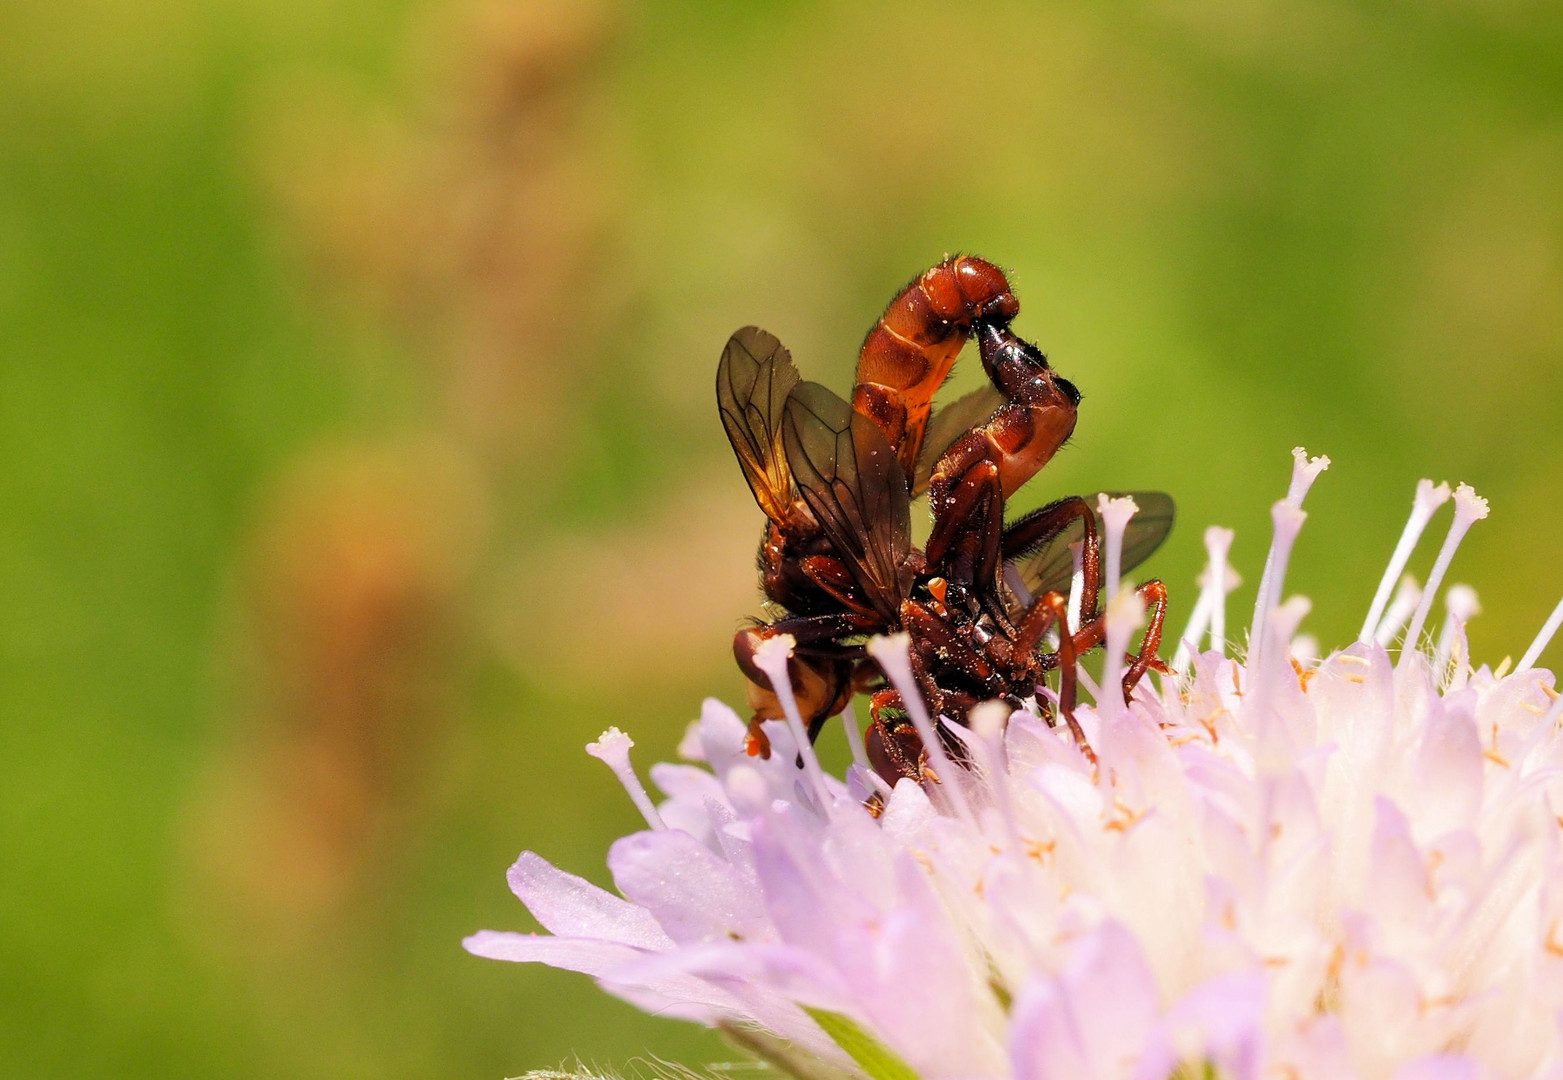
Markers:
{"x": 910, "y": 350}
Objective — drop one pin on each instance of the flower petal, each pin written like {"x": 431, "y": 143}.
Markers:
{"x": 681, "y": 996}
{"x": 571, "y": 906}
{"x": 693, "y": 894}
{"x": 1438, "y": 1067}
{"x": 1449, "y": 769}
{"x": 1092, "y": 1021}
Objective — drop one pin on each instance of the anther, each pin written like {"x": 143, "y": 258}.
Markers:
{"x": 1460, "y": 607}
{"x": 612, "y": 748}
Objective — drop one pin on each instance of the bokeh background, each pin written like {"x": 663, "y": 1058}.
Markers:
{"x": 358, "y": 458}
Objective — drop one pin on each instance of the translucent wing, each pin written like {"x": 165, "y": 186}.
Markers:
{"x": 753, "y": 379}
{"x": 856, "y": 488}
{"x": 1047, "y": 565}
{"x": 950, "y": 423}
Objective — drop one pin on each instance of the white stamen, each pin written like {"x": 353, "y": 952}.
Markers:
{"x": 1076, "y": 586}
{"x": 1400, "y": 608}
{"x": 1125, "y": 615}
{"x": 1216, "y": 581}
{"x": 1543, "y": 639}
{"x": 988, "y": 719}
{"x": 612, "y": 748}
{"x": 1305, "y": 649}
{"x": 1285, "y": 619}
{"x": 1199, "y": 618}
{"x": 1116, "y": 514}
{"x": 854, "y": 736}
{"x": 771, "y": 657}
{"x": 1460, "y": 607}
{"x": 1469, "y": 508}
{"x": 892, "y": 653}
{"x": 1427, "y": 501}
{"x": 1218, "y": 544}
{"x": 1305, "y": 471}
{"x": 1288, "y": 519}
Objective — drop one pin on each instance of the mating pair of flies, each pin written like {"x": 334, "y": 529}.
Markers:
{"x": 836, "y": 481}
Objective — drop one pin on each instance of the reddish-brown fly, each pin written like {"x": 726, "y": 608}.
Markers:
{"x": 836, "y": 480}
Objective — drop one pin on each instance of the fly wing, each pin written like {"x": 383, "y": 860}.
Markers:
{"x": 753, "y": 379}
{"x": 854, "y": 485}
{"x": 950, "y": 423}
{"x": 1048, "y": 565}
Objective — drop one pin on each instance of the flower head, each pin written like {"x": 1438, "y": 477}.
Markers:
{"x": 1346, "y": 867}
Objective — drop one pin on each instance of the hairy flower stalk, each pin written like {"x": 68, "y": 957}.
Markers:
{"x": 1347, "y": 868}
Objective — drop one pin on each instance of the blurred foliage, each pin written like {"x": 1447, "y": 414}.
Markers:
{"x": 360, "y": 463}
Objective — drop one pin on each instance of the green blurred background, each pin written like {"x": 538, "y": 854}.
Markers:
{"x": 358, "y": 461}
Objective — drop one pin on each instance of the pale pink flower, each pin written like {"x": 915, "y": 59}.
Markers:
{"x": 1280, "y": 867}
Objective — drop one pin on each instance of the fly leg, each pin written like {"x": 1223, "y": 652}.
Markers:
{"x": 968, "y": 515}
{"x": 1155, "y": 595}
{"x": 1047, "y": 611}
{"x": 1040, "y": 526}
{"x": 1032, "y": 530}
{"x": 964, "y": 496}
{"x": 936, "y": 641}
{"x": 1093, "y": 632}
{"x": 895, "y": 750}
